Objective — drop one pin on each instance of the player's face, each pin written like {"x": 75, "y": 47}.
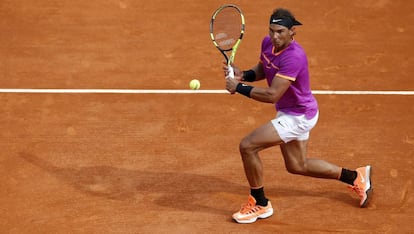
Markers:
{"x": 281, "y": 36}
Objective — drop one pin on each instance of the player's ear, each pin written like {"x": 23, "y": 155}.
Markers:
{"x": 292, "y": 32}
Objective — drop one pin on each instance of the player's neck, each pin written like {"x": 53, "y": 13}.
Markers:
{"x": 279, "y": 49}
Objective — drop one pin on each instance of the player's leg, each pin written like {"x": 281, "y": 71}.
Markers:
{"x": 258, "y": 206}
{"x": 294, "y": 130}
{"x": 261, "y": 138}
{"x": 296, "y": 162}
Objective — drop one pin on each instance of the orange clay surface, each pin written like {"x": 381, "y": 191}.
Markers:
{"x": 169, "y": 163}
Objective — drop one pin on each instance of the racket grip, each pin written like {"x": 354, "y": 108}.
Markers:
{"x": 231, "y": 72}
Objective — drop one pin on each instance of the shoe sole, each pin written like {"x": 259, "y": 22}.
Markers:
{"x": 369, "y": 190}
{"x": 262, "y": 216}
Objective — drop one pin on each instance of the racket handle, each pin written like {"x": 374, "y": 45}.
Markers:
{"x": 231, "y": 72}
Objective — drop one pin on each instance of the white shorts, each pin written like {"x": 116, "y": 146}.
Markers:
{"x": 292, "y": 127}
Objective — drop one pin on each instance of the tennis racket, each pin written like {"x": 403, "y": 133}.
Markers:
{"x": 226, "y": 32}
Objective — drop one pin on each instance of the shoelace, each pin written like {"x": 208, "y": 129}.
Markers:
{"x": 356, "y": 189}
{"x": 247, "y": 208}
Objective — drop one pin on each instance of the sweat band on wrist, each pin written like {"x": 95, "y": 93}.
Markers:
{"x": 249, "y": 75}
{"x": 244, "y": 89}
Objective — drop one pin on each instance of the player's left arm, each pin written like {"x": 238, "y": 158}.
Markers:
{"x": 258, "y": 73}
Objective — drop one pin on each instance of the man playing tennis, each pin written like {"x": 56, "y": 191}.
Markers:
{"x": 283, "y": 63}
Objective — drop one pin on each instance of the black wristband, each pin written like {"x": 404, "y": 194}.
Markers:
{"x": 244, "y": 89}
{"x": 249, "y": 75}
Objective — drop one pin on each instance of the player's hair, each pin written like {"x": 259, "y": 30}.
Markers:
{"x": 282, "y": 13}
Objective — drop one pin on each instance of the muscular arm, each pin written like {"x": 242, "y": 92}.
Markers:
{"x": 273, "y": 93}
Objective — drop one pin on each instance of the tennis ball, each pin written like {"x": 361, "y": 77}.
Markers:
{"x": 194, "y": 84}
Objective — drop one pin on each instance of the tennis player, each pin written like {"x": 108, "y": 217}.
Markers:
{"x": 283, "y": 63}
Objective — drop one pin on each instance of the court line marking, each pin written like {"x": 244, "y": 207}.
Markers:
{"x": 185, "y": 91}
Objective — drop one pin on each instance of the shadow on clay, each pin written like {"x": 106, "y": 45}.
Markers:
{"x": 182, "y": 191}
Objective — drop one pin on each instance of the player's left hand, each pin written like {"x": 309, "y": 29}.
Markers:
{"x": 237, "y": 72}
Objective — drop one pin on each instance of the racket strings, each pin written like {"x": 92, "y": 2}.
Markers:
{"x": 227, "y": 28}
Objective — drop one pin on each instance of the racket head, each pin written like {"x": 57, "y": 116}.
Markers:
{"x": 227, "y": 27}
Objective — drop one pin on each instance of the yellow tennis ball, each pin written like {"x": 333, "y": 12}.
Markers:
{"x": 194, "y": 84}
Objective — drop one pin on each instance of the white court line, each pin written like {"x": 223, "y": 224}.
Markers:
{"x": 187, "y": 91}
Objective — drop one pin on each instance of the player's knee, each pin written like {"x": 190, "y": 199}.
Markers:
{"x": 296, "y": 168}
{"x": 293, "y": 170}
{"x": 245, "y": 146}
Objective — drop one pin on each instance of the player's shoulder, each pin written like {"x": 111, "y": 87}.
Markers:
{"x": 267, "y": 43}
{"x": 267, "y": 40}
{"x": 295, "y": 50}
{"x": 297, "y": 47}
{"x": 294, "y": 54}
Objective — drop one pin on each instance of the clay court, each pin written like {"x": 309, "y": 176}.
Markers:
{"x": 168, "y": 162}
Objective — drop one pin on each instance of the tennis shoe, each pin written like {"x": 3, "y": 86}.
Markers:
{"x": 250, "y": 212}
{"x": 362, "y": 184}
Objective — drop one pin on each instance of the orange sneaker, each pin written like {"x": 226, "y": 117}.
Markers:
{"x": 362, "y": 184}
{"x": 249, "y": 212}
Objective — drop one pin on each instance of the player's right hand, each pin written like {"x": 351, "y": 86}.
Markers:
{"x": 231, "y": 84}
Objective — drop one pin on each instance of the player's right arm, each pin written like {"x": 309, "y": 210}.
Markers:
{"x": 273, "y": 93}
